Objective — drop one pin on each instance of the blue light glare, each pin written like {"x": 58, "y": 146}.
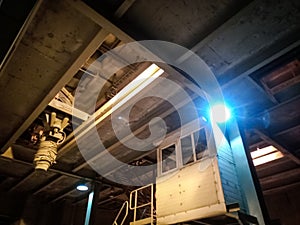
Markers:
{"x": 82, "y": 187}
{"x": 204, "y": 118}
{"x": 220, "y": 113}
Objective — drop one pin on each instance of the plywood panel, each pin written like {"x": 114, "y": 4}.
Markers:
{"x": 189, "y": 188}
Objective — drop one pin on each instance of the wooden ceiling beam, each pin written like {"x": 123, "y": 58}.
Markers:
{"x": 66, "y": 193}
{"x": 282, "y": 188}
{"x": 291, "y": 129}
{"x": 280, "y": 176}
{"x": 21, "y": 182}
{"x": 256, "y": 145}
{"x": 276, "y": 163}
{"x": 280, "y": 148}
{"x": 282, "y": 104}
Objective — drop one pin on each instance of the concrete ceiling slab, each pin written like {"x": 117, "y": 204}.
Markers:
{"x": 181, "y": 22}
{"x": 54, "y": 40}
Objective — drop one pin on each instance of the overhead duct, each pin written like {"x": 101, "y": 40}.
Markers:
{"x": 49, "y": 142}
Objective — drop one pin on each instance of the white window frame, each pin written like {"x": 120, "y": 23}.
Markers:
{"x": 193, "y": 149}
{"x": 159, "y": 156}
{"x": 175, "y": 139}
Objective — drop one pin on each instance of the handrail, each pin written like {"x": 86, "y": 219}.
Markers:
{"x": 135, "y": 191}
{"x": 119, "y": 213}
{"x": 136, "y": 206}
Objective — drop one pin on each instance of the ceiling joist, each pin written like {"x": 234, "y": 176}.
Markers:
{"x": 283, "y": 150}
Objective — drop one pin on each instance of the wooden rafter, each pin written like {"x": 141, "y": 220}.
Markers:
{"x": 283, "y": 150}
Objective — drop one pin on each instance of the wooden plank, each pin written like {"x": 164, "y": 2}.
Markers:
{"x": 283, "y": 188}
{"x": 280, "y": 176}
{"x": 291, "y": 129}
{"x": 280, "y": 148}
{"x": 285, "y": 85}
{"x": 271, "y": 165}
{"x": 266, "y": 89}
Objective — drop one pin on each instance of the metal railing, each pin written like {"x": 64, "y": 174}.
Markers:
{"x": 124, "y": 206}
{"x": 134, "y": 197}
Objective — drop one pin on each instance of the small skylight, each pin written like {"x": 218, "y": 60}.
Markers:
{"x": 264, "y": 155}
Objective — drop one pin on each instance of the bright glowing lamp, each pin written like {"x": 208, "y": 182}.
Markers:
{"x": 220, "y": 113}
{"x": 129, "y": 91}
{"x": 82, "y": 187}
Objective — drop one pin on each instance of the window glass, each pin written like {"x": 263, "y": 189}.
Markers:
{"x": 200, "y": 143}
{"x": 187, "y": 150}
{"x": 168, "y": 158}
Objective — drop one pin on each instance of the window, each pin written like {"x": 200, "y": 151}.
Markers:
{"x": 168, "y": 158}
{"x": 200, "y": 143}
{"x": 193, "y": 146}
{"x": 187, "y": 150}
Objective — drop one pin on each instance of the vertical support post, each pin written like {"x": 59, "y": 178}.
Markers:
{"x": 152, "y": 203}
{"x": 135, "y": 206}
{"x": 89, "y": 208}
{"x": 254, "y": 176}
{"x": 245, "y": 175}
{"x": 92, "y": 204}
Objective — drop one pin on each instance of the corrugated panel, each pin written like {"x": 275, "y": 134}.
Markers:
{"x": 230, "y": 183}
